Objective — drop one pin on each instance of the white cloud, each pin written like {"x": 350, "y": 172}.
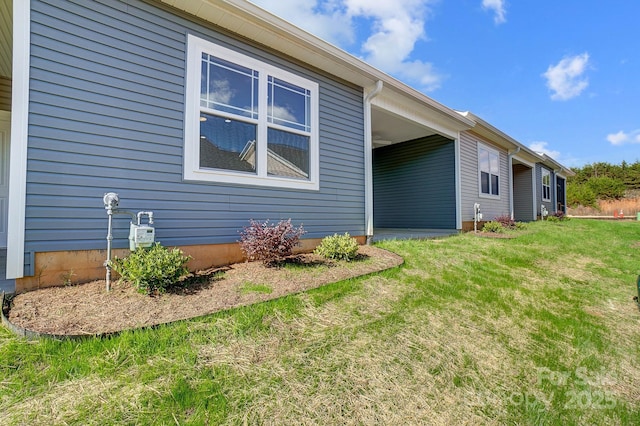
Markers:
{"x": 326, "y": 19}
{"x": 395, "y": 28}
{"x": 623, "y": 137}
{"x": 498, "y": 6}
{"x": 566, "y": 79}
{"x": 541, "y": 148}
{"x": 618, "y": 138}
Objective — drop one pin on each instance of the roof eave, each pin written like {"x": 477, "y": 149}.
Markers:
{"x": 483, "y": 128}
{"x": 254, "y": 23}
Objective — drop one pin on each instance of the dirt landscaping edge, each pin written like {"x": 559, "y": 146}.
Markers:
{"x": 391, "y": 260}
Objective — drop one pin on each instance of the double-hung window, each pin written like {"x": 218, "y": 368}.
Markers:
{"x": 247, "y": 121}
{"x": 489, "y": 168}
{"x": 546, "y": 185}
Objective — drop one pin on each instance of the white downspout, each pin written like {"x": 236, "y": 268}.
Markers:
{"x": 534, "y": 180}
{"x": 510, "y": 162}
{"x": 458, "y": 182}
{"x": 20, "y": 71}
{"x": 368, "y": 161}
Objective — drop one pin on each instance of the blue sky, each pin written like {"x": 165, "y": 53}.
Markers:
{"x": 560, "y": 76}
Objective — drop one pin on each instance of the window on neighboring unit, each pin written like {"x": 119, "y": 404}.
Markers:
{"x": 489, "y": 167}
{"x": 247, "y": 121}
{"x": 546, "y": 185}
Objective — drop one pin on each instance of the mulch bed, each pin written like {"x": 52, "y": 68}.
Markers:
{"x": 87, "y": 309}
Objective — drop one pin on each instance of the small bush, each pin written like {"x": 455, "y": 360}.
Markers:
{"x": 493, "y": 226}
{"x": 558, "y": 216}
{"x": 270, "y": 243}
{"x": 152, "y": 270}
{"x": 506, "y": 221}
{"x": 339, "y": 247}
{"x": 520, "y": 226}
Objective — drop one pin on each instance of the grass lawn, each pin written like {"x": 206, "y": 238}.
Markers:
{"x": 539, "y": 329}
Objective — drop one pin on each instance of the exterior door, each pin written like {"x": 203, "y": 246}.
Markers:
{"x": 560, "y": 196}
{"x": 4, "y": 178}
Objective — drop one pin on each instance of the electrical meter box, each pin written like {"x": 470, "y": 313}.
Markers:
{"x": 141, "y": 236}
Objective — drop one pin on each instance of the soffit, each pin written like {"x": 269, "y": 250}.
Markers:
{"x": 397, "y": 118}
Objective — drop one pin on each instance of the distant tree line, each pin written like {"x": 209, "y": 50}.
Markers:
{"x": 602, "y": 181}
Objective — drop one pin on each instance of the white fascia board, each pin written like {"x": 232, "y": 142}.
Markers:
{"x": 19, "y": 138}
{"x": 554, "y": 165}
{"x": 250, "y": 21}
{"x": 487, "y": 130}
{"x": 490, "y": 132}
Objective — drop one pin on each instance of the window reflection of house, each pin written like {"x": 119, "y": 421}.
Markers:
{"x": 278, "y": 164}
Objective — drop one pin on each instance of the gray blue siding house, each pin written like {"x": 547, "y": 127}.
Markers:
{"x": 505, "y": 177}
{"x": 208, "y": 114}
{"x": 214, "y": 112}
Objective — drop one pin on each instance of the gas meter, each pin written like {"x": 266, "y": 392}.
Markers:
{"x": 142, "y": 235}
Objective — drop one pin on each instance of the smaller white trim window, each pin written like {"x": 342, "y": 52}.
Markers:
{"x": 546, "y": 185}
{"x": 488, "y": 172}
{"x": 248, "y": 122}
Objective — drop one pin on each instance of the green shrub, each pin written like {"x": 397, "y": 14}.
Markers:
{"x": 606, "y": 188}
{"x": 521, "y": 225}
{"x": 152, "y": 270}
{"x": 339, "y": 247}
{"x": 493, "y": 227}
{"x": 580, "y": 195}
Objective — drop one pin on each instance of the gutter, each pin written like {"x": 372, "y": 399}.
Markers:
{"x": 368, "y": 161}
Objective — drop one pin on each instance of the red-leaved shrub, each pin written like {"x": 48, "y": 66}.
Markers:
{"x": 270, "y": 243}
{"x": 506, "y": 221}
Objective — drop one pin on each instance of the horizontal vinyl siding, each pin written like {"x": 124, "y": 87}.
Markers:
{"x": 522, "y": 193}
{"x": 414, "y": 184}
{"x": 106, "y": 114}
{"x": 5, "y": 94}
{"x": 548, "y": 204}
{"x": 469, "y": 180}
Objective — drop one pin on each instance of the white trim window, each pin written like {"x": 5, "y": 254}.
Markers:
{"x": 248, "y": 122}
{"x": 488, "y": 172}
{"x": 546, "y": 185}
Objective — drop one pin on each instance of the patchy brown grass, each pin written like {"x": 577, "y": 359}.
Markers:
{"x": 629, "y": 207}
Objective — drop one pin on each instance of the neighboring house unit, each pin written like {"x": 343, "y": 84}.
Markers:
{"x": 484, "y": 175}
{"x": 211, "y": 113}
{"x": 505, "y": 177}
{"x": 551, "y": 180}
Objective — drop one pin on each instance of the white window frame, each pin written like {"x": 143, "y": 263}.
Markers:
{"x": 491, "y": 151}
{"x": 192, "y": 171}
{"x": 545, "y": 172}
